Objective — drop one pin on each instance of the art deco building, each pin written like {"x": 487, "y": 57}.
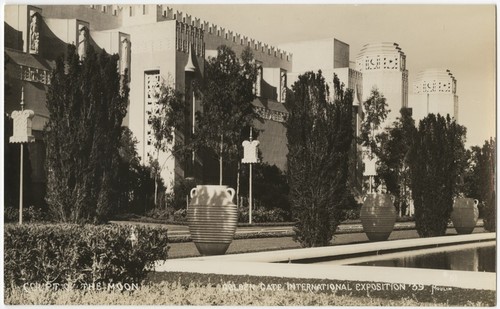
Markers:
{"x": 434, "y": 92}
{"x": 156, "y": 45}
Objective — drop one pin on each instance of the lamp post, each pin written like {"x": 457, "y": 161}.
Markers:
{"x": 22, "y": 134}
{"x": 250, "y": 151}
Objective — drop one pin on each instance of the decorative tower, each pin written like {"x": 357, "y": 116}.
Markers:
{"x": 384, "y": 66}
{"x": 434, "y": 92}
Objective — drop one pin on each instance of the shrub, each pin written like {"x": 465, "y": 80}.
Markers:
{"x": 260, "y": 215}
{"x": 160, "y": 213}
{"x": 30, "y": 214}
{"x": 351, "y": 214}
{"x": 76, "y": 256}
{"x": 181, "y": 190}
{"x": 180, "y": 215}
{"x": 270, "y": 186}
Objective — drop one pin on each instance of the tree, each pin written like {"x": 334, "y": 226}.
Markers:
{"x": 374, "y": 114}
{"x": 166, "y": 123}
{"x": 485, "y": 171}
{"x": 227, "y": 104}
{"x": 319, "y": 137}
{"x": 86, "y": 104}
{"x": 434, "y": 162}
{"x": 395, "y": 143}
{"x": 135, "y": 180}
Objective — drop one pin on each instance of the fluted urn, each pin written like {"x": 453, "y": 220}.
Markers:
{"x": 212, "y": 218}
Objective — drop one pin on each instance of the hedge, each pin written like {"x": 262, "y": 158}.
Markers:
{"x": 75, "y": 256}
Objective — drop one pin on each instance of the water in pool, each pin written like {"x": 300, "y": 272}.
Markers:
{"x": 479, "y": 257}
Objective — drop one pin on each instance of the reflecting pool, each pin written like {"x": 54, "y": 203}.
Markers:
{"x": 479, "y": 257}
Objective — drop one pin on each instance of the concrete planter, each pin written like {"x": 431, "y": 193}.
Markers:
{"x": 378, "y": 216}
{"x": 464, "y": 215}
{"x": 212, "y": 217}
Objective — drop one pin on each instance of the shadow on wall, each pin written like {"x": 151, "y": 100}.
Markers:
{"x": 51, "y": 46}
{"x": 269, "y": 91}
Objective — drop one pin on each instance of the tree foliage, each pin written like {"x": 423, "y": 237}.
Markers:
{"x": 434, "y": 162}
{"x": 86, "y": 104}
{"x": 483, "y": 176}
{"x": 319, "y": 136}
{"x": 227, "y": 103}
{"x": 171, "y": 117}
{"x": 395, "y": 143}
{"x": 135, "y": 181}
{"x": 374, "y": 114}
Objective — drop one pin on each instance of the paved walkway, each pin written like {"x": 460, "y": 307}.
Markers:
{"x": 183, "y": 230}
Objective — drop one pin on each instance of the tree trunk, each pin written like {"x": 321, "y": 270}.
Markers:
{"x": 238, "y": 184}
{"x": 220, "y": 158}
{"x": 156, "y": 189}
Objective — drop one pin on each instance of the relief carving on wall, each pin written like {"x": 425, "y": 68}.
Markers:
{"x": 283, "y": 86}
{"x": 124, "y": 56}
{"x": 34, "y": 40}
{"x": 83, "y": 35}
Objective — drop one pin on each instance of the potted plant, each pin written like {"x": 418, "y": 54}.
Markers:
{"x": 212, "y": 218}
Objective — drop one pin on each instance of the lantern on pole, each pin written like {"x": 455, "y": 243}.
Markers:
{"x": 22, "y": 134}
{"x": 250, "y": 156}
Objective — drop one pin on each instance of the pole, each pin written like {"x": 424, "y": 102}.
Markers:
{"x": 250, "y": 188}
{"x": 21, "y": 187}
{"x": 21, "y": 169}
{"x": 427, "y": 104}
{"x": 220, "y": 159}
{"x": 192, "y": 129}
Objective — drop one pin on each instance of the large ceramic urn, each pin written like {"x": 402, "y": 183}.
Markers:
{"x": 464, "y": 215}
{"x": 212, "y": 217}
{"x": 378, "y": 216}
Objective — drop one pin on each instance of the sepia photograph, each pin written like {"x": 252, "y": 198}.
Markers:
{"x": 250, "y": 154}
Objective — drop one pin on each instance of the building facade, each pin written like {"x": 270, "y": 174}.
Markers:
{"x": 157, "y": 45}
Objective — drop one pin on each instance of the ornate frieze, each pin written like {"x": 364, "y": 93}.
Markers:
{"x": 188, "y": 35}
{"x": 34, "y": 75}
{"x": 268, "y": 114}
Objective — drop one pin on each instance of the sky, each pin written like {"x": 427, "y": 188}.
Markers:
{"x": 460, "y": 38}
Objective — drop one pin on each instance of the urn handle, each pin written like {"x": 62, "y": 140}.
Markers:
{"x": 476, "y": 202}
{"x": 231, "y": 192}
{"x": 193, "y": 192}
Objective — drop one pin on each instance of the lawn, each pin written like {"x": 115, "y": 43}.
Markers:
{"x": 188, "y": 249}
{"x": 202, "y": 289}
